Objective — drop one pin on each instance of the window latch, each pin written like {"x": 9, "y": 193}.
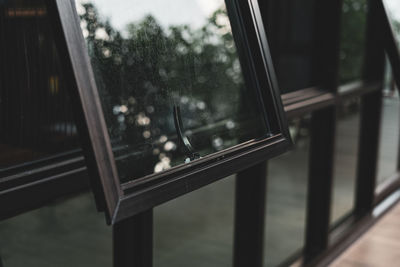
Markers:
{"x": 184, "y": 142}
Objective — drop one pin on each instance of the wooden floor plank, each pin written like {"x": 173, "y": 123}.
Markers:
{"x": 380, "y": 246}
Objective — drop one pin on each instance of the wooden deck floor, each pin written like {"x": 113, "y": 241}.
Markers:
{"x": 379, "y": 247}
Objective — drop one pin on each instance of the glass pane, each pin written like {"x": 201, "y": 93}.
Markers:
{"x": 389, "y": 131}
{"x": 346, "y": 152}
{"x": 393, "y": 12}
{"x": 390, "y": 126}
{"x": 197, "y": 229}
{"x": 67, "y": 233}
{"x": 149, "y": 64}
{"x": 35, "y": 115}
{"x": 287, "y": 197}
{"x": 352, "y": 44}
{"x": 290, "y": 33}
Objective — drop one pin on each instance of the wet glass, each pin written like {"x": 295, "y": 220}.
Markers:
{"x": 389, "y": 132}
{"x": 170, "y": 81}
{"x": 187, "y": 234}
{"x": 286, "y": 201}
{"x": 67, "y": 232}
{"x": 390, "y": 126}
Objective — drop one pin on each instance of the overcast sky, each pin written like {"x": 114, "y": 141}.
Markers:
{"x": 167, "y": 12}
{"x": 393, "y": 6}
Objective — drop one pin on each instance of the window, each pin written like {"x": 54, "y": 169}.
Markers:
{"x": 389, "y": 133}
{"x": 162, "y": 98}
{"x": 67, "y": 232}
{"x": 186, "y": 233}
{"x": 346, "y": 155}
{"x": 171, "y": 87}
{"x": 162, "y": 157}
{"x": 388, "y": 166}
{"x": 286, "y": 200}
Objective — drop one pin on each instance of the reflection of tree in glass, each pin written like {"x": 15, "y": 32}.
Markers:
{"x": 144, "y": 71}
{"x": 352, "y": 39}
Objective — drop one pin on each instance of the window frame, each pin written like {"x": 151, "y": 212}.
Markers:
{"x": 122, "y": 200}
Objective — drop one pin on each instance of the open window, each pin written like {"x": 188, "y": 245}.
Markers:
{"x": 169, "y": 95}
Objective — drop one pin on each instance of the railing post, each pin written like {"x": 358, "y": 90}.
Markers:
{"x": 250, "y": 216}
{"x": 133, "y": 241}
{"x": 322, "y": 129}
{"x": 371, "y": 108}
{"x": 320, "y": 182}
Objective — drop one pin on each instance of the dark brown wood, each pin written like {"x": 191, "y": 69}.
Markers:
{"x": 133, "y": 241}
{"x": 322, "y": 134}
{"x": 301, "y": 95}
{"x": 393, "y": 51}
{"x": 371, "y": 108}
{"x": 327, "y": 44}
{"x": 311, "y": 104}
{"x": 85, "y": 98}
{"x": 348, "y": 237}
{"x": 249, "y": 216}
{"x": 28, "y": 179}
{"x": 51, "y": 182}
{"x": 357, "y": 89}
{"x": 322, "y": 129}
{"x": 36, "y": 188}
{"x": 311, "y": 99}
{"x": 374, "y": 52}
{"x": 184, "y": 183}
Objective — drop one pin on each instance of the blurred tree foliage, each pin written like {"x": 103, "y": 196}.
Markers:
{"x": 354, "y": 15}
{"x": 145, "y": 69}
{"x": 148, "y": 68}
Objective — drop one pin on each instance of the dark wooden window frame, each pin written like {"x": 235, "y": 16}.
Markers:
{"x": 121, "y": 201}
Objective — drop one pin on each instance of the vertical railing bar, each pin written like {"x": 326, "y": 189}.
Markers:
{"x": 371, "y": 108}
{"x": 133, "y": 241}
{"x": 322, "y": 138}
{"x": 250, "y": 216}
{"x": 322, "y": 130}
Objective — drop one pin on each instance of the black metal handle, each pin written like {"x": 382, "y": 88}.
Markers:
{"x": 185, "y": 144}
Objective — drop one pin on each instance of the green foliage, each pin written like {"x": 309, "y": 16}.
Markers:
{"x": 158, "y": 66}
{"x": 352, "y": 40}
